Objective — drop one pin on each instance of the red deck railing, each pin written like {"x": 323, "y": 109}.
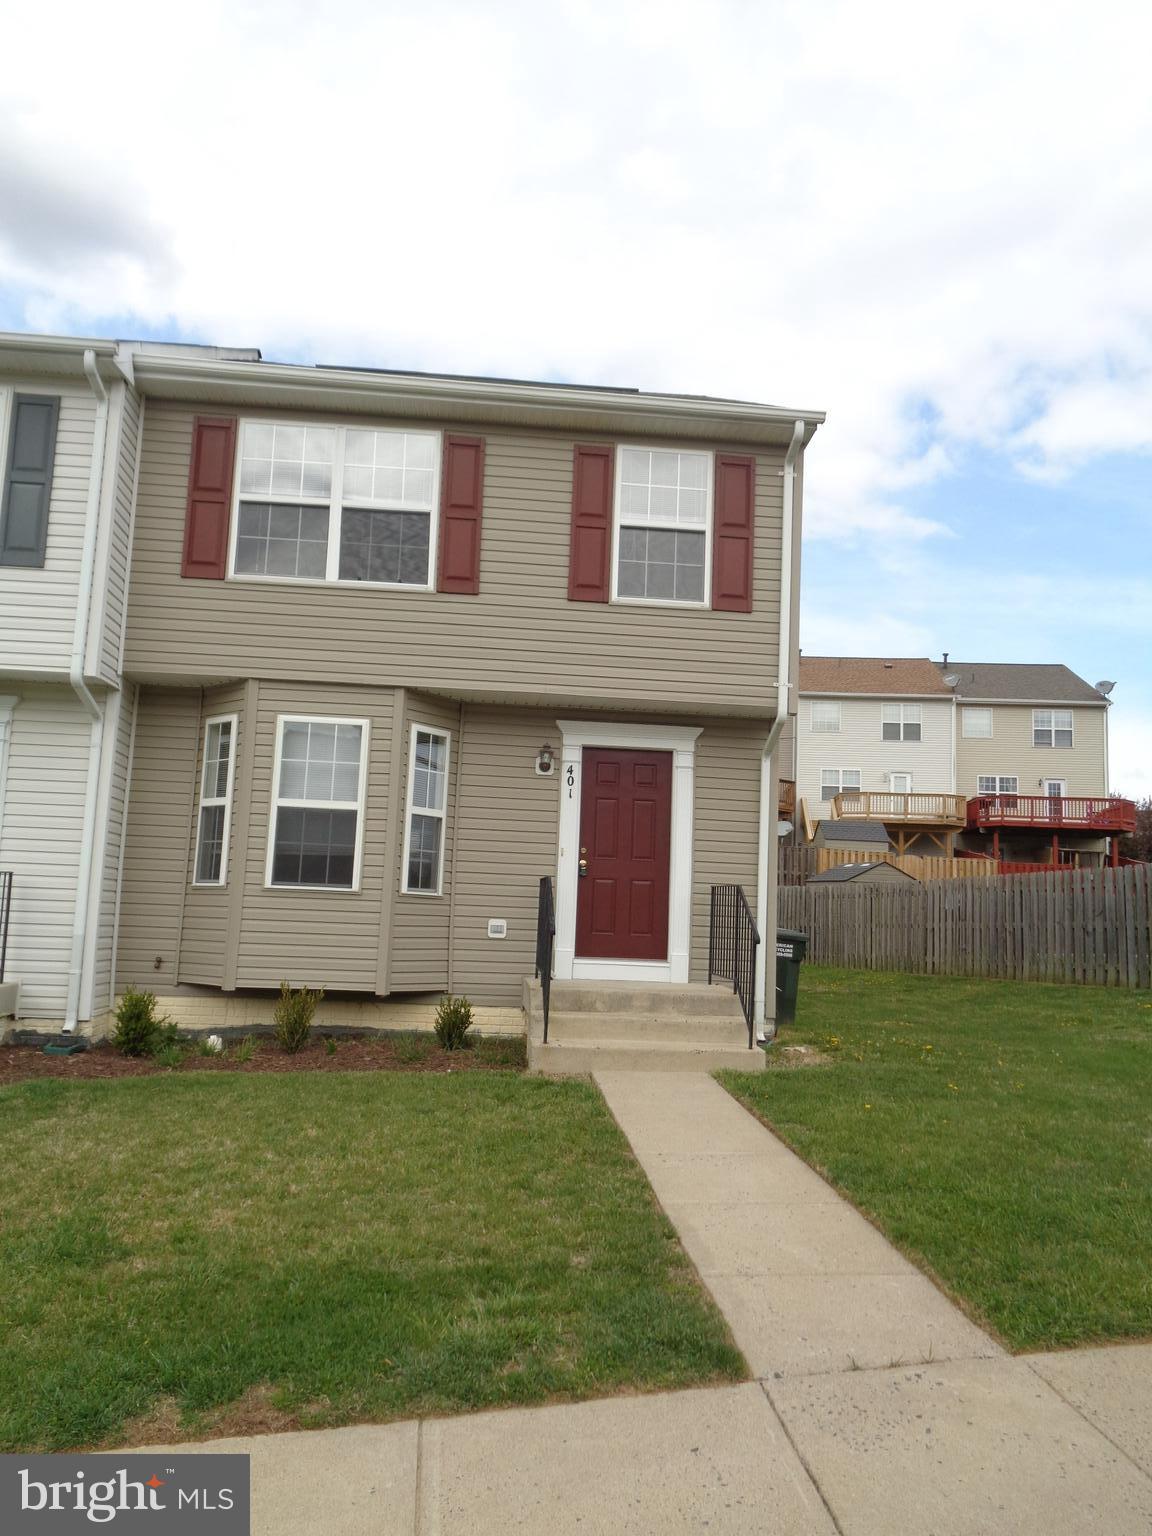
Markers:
{"x": 1076, "y": 813}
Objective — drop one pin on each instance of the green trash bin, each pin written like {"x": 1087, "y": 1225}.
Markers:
{"x": 791, "y": 948}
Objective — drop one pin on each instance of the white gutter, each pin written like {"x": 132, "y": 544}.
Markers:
{"x": 769, "y": 812}
{"x": 83, "y": 693}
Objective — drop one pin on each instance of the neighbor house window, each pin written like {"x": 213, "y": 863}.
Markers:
{"x": 1051, "y": 727}
{"x": 997, "y": 784}
{"x": 663, "y": 515}
{"x": 427, "y": 803}
{"x": 825, "y": 715}
{"x": 834, "y": 781}
{"x": 318, "y": 803}
{"x": 976, "y": 722}
{"x": 900, "y": 722}
{"x": 348, "y": 504}
{"x": 216, "y": 778}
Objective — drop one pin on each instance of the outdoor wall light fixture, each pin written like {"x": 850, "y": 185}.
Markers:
{"x": 545, "y": 759}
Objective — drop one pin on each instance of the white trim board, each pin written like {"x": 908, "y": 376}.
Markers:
{"x": 680, "y": 740}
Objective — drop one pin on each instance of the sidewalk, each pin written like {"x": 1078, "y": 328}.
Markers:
{"x": 878, "y": 1408}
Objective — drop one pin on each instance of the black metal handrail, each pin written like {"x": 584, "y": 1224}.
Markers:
{"x": 732, "y": 942}
{"x": 5, "y": 914}
{"x": 545, "y": 941}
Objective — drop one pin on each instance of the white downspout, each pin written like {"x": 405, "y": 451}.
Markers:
{"x": 769, "y": 815}
{"x": 83, "y": 693}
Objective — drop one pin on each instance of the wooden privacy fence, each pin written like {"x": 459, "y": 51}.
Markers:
{"x": 1081, "y": 925}
{"x": 799, "y": 862}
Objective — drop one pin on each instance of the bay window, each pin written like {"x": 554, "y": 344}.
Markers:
{"x": 317, "y": 803}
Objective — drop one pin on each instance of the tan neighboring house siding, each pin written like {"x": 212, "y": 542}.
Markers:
{"x": 160, "y": 812}
{"x": 519, "y": 635}
{"x": 1009, "y": 750}
{"x": 418, "y": 950}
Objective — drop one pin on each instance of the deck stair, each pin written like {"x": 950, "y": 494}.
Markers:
{"x": 596, "y": 1026}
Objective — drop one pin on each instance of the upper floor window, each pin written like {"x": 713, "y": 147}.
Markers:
{"x": 900, "y": 722}
{"x": 427, "y": 805}
{"x": 663, "y": 526}
{"x": 216, "y": 779}
{"x": 976, "y": 722}
{"x": 28, "y": 426}
{"x": 1051, "y": 727}
{"x": 835, "y": 781}
{"x": 825, "y": 715}
{"x": 317, "y": 803}
{"x": 336, "y": 504}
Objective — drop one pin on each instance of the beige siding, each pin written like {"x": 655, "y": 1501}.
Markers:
{"x": 519, "y": 638}
{"x": 1010, "y": 751}
{"x": 42, "y": 789}
{"x": 727, "y": 822}
{"x": 421, "y": 924}
{"x": 117, "y": 747}
{"x": 507, "y": 831}
{"x": 316, "y": 938}
{"x": 38, "y": 606}
{"x": 158, "y": 836}
{"x": 110, "y": 600}
{"x": 203, "y": 943}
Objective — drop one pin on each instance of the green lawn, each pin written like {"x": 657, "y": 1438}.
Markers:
{"x": 999, "y": 1132}
{"x": 218, "y": 1252}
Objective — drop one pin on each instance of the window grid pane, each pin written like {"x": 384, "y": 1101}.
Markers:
{"x": 396, "y": 468}
{"x": 274, "y": 540}
{"x": 210, "y": 845}
{"x": 658, "y": 486}
{"x": 424, "y": 852}
{"x": 661, "y": 564}
{"x": 978, "y": 723}
{"x": 385, "y": 546}
{"x": 825, "y": 715}
{"x": 314, "y": 847}
{"x": 284, "y": 460}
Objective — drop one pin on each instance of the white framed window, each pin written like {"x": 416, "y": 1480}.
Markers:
{"x": 997, "y": 784}
{"x": 976, "y": 722}
{"x": 317, "y": 823}
{"x": 662, "y": 539}
{"x": 834, "y": 781}
{"x": 900, "y": 783}
{"x": 427, "y": 807}
{"x": 1051, "y": 727}
{"x": 214, "y": 818}
{"x": 825, "y": 715}
{"x": 345, "y": 504}
{"x": 900, "y": 722}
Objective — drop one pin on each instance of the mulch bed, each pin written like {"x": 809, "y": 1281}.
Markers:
{"x": 353, "y": 1054}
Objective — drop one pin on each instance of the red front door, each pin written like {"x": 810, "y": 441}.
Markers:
{"x": 625, "y": 844}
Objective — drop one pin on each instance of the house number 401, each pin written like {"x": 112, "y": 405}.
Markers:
{"x": 571, "y": 779}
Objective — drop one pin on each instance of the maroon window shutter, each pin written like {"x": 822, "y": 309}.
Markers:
{"x": 461, "y": 505}
{"x": 209, "y": 498}
{"x": 590, "y": 558}
{"x": 733, "y": 522}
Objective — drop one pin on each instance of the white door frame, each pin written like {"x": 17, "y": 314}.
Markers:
{"x": 680, "y": 740}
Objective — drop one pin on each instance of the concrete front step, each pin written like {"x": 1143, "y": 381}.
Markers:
{"x": 694, "y": 998}
{"x": 692, "y": 1029}
{"x": 576, "y": 1057}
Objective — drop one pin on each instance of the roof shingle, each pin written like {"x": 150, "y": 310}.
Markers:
{"x": 1024, "y": 683}
{"x": 871, "y": 674}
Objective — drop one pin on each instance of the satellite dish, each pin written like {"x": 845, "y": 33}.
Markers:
{"x": 1105, "y": 687}
{"x": 783, "y": 828}
{"x": 951, "y": 678}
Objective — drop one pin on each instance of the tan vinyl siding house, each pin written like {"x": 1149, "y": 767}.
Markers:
{"x": 457, "y": 680}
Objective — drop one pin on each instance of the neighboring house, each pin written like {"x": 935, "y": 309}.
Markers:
{"x": 874, "y": 742}
{"x": 1032, "y": 762}
{"x": 402, "y": 645}
{"x": 69, "y": 427}
{"x": 1002, "y": 759}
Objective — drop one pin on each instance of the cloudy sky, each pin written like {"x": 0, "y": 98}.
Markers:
{"x": 933, "y": 222}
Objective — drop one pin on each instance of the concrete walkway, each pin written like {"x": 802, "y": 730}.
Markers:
{"x": 878, "y": 1408}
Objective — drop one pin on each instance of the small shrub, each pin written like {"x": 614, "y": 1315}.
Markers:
{"x": 213, "y": 1046}
{"x": 453, "y": 1021}
{"x": 330, "y": 1045}
{"x": 293, "y": 1016}
{"x": 140, "y": 1030}
{"x": 244, "y": 1050}
{"x": 170, "y": 1055}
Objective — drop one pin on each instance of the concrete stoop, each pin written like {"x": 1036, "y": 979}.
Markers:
{"x": 637, "y": 1026}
